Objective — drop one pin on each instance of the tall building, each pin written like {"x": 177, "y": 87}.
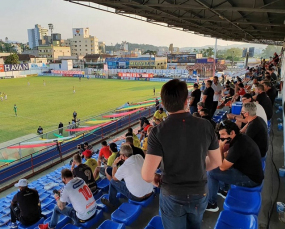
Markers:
{"x": 35, "y": 35}
{"x": 102, "y": 47}
{"x": 82, "y": 43}
{"x": 53, "y": 53}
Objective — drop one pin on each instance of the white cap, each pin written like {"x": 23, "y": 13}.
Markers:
{"x": 22, "y": 183}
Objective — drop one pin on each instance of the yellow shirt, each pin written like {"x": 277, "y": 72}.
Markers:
{"x": 92, "y": 163}
{"x": 111, "y": 159}
{"x": 136, "y": 141}
{"x": 159, "y": 116}
{"x": 144, "y": 147}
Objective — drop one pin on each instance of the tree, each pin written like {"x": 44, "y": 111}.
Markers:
{"x": 208, "y": 52}
{"x": 270, "y": 50}
{"x": 150, "y": 52}
{"x": 12, "y": 59}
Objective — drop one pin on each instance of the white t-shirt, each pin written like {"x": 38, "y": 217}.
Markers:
{"x": 261, "y": 112}
{"x": 130, "y": 171}
{"x": 217, "y": 88}
{"x": 80, "y": 196}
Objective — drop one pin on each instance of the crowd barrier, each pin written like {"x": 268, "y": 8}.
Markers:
{"x": 30, "y": 164}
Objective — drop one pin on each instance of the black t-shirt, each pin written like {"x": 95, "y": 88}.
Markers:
{"x": 266, "y": 103}
{"x": 232, "y": 92}
{"x": 210, "y": 95}
{"x": 197, "y": 95}
{"x": 28, "y": 203}
{"x": 272, "y": 94}
{"x": 137, "y": 150}
{"x": 60, "y": 125}
{"x": 257, "y": 130}
{"x": 245, "y": 156}
{"x": 210, "y": 120}
{"x": 183, "y": 142}
{"x": 85, "y": 173}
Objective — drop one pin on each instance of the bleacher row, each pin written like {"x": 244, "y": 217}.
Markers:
{"x": 241, "y": 206}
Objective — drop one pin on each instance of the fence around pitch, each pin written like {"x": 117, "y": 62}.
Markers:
{"x": 31, "y": 164}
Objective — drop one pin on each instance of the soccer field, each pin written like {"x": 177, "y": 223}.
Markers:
{"x": 46, "y": 106}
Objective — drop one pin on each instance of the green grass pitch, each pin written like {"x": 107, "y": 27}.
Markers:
{"x": 55, "y": 102}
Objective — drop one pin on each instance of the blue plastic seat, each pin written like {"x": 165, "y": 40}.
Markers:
{"x": 21, "y": 226}
{"x": 48, "y": 210}
{"x": 4, "y": 219}
{"x": 61, "y": 222}
{"x": 155, "y": 223}
{"x": 126, "y": 213}
{"x": 95, "y": 219}
{"x": 120, "y": 195}
{"x": 47, "y": 202}
{"x": 43, "y": 196}
{"x": 5, "y": 211}
{"x": 108, "y": 224}
{"x": 104, "y": 185}
{"x": 240, "y": 201}
{"x": 263, "y": 159}
{"x": 263, "y": 165}
{"x": 98, "y": 194}
{"x": 143, "y": 203}
{"x": 70, "y": 226}
{"x": 100, "y": 205}
{"x": 4, "y": 226}
{"x": 233, "y": 220}
{"x": 254, "y": 189}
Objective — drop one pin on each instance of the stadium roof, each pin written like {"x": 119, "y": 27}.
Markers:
{"x": 258, "y": 21}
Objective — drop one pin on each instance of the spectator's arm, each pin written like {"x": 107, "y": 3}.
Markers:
{"x": 204, "y": 97}
{"x": 213, "y": 159}
{"x": 60, "y": 204}
{"x": 226, "y": 165}
{"x": 150, "y": 165}
{"x": 191, "y": 100}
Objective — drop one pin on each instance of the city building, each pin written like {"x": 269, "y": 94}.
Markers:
{"x": 35, "y": 35}
{"x": 53, "y": 53}
{"x": 102, "y": 47}
{"x": 82, "y": 43}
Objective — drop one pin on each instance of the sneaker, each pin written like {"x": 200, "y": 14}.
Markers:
{"x": 13, "y": 225}
{"x": 212, "y": 207}
{"x": 43, "y": 226}
{"x": 107, "y": 202}
{"x": 222, "y": 193}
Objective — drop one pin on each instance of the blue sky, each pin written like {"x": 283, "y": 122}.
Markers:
{"x": 19, "y": 15}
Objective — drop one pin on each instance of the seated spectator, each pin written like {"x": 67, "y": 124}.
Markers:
{"x": 228, "y": 93}
{"x": 141, "y": 122}
{"x": 160, "y": 115}
{"x": 84, "y": 172}
{"x": 79, "y": 195}
{"x": 104, "y": 153}
{"x": 200, "y": 106}
{"x": 205, "y": 113}
{"x": 240, "y": 121}
{"x": 25, "y": 206}
{"x": 91, "y": 162}
{"x": 144, "y": 146}
{"x": 256, "y": 127}
{"x": 241, "y": 163}
{"x": 196, "y": 114}
{"x": 113, "y": 148}
{"x": 87, "y": 146}
{"x": 130, "y": 132}
{"x": 263, "y": 99}
{"x": 195, "y": 98}
{"x": 146, "y": 125}
{"x": 240, "y": 92}
{"x": 136, "y": 150}
{"x": 270, "y": 91}
{"x": 134, "y": 187}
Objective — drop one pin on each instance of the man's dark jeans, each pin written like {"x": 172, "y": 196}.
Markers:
{"x": 182, "y": 212}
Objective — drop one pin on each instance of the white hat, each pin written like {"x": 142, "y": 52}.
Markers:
{"x": 22, "y": 183}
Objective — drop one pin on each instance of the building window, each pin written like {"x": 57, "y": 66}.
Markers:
{"x": 75, "y": 41}
{"x": 79, "y": 45}
{"x": 75, "y": 45}
{"x": 86, "y": 49}
{"x": 80, "y": 49}
{"x": 86, "y": 45}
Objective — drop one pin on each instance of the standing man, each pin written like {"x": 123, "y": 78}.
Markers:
{"x": 74, "y": 115}
{"x": 60, "y": 128}
{"x": 15, "y": 109}
{"x": 217, "y": 87}
{"x": 25, "y": 205}
{"x": 208, "y": 96}
{"x": 156, "y": 104}
{"x": 183, "y": 182}
{"x": 195, "y": 98}
{"x": 153, "y": 90}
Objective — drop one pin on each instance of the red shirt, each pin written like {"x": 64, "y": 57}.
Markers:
{"x": 145, "y": 129}
{"x": 241, "y": 92}
{"x": 105, "y": 151}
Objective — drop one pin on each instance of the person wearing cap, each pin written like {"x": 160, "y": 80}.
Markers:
{"x": 84, "y": 172}
{"x": 25, "y": 206}
{"x": 91, "y": 162}
{"x": 114, "y": 149}
{"x": 195, "y": 98}
{"x": 159, "y": 114}
{"x": 104, "y": 153}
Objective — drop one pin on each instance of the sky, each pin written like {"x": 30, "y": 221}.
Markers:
{"x": 18, "y": 16}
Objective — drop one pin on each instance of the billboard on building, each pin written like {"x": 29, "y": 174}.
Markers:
{"x": 15, "y": 67}
{"x": 135, "y": 75}
{"x": 181, "y": 58}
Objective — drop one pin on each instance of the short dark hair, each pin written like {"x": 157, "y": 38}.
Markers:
{"x": 267, "y": 83}
{"x": 129, "y": 139}
{"x": 161, "y": 109}
{"x": 247, "y": 96}
{"x": 195, "y": 85}
{"x": 210, "y": 82}
{"x": 104, "y": 143}
{"x": 77, "y": 158}
{"x": 129, "y": 134}
{"x": 206, "y": 111}
{"x": 241, "y": 85}
{"x": 66, "y": 173}
{"x": 86, "y": 143}
{"x": 228, "y": 125}
{"x": 130, "y": 130}
{"x": 261, "y": 87}
{"x": 174, "y": 94}
{"x": 196, "y": 114}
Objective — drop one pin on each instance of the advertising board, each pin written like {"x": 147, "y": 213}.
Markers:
{"x": 181, "y": 58}
{"x": 15, "y": 67}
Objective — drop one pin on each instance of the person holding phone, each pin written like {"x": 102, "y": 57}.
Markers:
{"x": 241, "y": 162}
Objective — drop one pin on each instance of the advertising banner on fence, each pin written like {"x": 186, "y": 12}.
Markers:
{"x": 159, "y": 80}
{"x": 68, "y": 73}
{"x": 15, "y": 67}
{"x": 181, "y": 58}
{"x": 138, "y": 75}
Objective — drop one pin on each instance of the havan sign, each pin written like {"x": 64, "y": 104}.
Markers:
{"x": 15, "y": 67}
